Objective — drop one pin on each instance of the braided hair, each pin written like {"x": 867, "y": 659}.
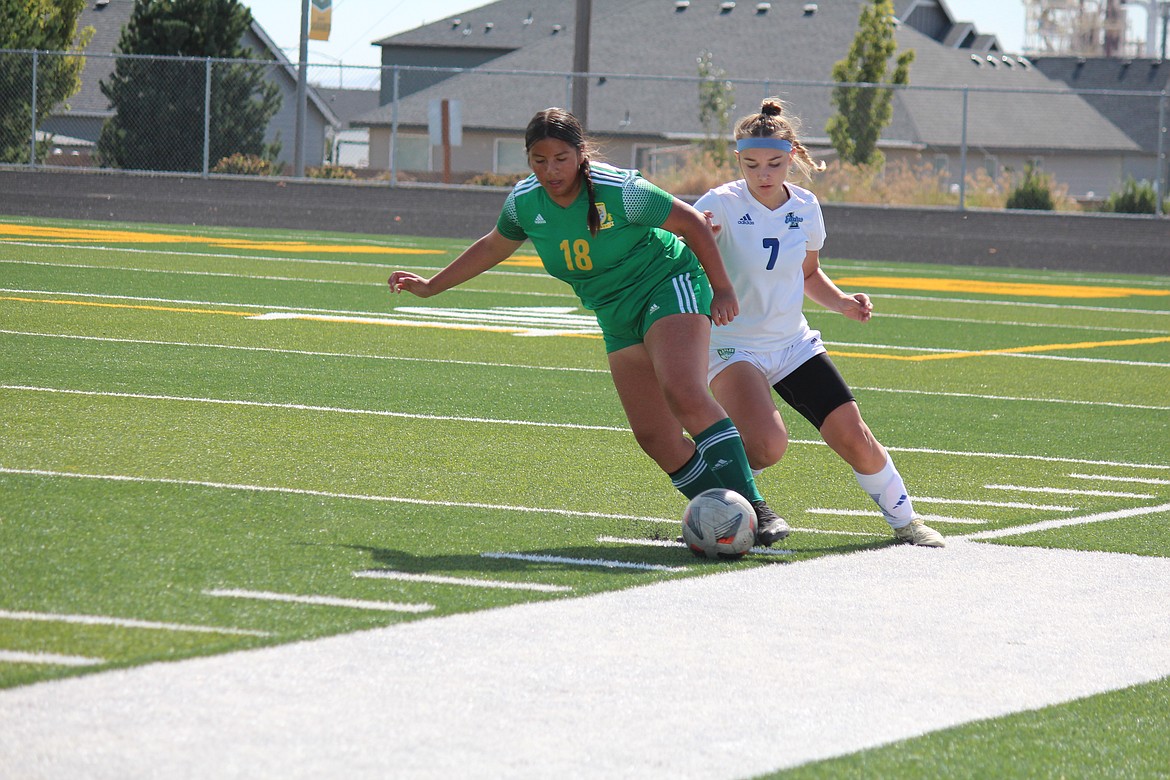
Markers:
{"x": 563, "y": 126}
{"x": 769, "y": 123}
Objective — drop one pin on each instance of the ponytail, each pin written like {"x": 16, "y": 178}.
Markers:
{"x": 593, "y": 219}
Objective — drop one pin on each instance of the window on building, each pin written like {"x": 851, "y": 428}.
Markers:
{"x": 510, "y": 156}
{"x": 414, "y": 153}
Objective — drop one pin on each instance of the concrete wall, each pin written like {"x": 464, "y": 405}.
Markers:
{"x": 1084, "y": 242}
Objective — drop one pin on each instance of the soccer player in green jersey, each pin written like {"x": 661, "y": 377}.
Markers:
{"x": 614, "y": 238}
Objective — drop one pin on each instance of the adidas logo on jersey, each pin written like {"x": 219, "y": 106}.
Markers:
{"x": 539, "y": 219}
{"x": 746, "y": 219}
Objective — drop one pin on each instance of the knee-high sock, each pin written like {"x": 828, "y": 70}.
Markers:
{"x": 722, "y": 448}
{"x": 888, "y": 491}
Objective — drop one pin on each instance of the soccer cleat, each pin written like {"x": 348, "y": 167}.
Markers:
{"x": 770, "y": 527}
{"x": 916, "y": 532}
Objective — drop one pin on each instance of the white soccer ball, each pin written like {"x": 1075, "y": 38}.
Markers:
{"x": 719, "y": 523}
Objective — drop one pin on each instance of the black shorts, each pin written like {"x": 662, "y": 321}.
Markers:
{"x": 815, "y": 388}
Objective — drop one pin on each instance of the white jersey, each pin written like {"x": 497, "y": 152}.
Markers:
{"x": 764, "y": 252}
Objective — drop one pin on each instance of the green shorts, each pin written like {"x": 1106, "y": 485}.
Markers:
{"x": 625, "y": 323}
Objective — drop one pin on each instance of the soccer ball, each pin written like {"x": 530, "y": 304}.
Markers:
{"x": 719, "y": 523}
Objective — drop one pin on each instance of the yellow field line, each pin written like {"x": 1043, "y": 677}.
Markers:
{"x": 128, "y": 306}
{"x": 1029, "y": 289}
{"x": 1005, "y": 350}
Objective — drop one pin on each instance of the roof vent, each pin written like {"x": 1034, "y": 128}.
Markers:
{"x": 528, "y": 20}
{"x": 556, "y": 28}
{"x": 977, "y": 60}
{"x": 994, "y": 62}
{"x": 487, "y": 28}
{"x": 455, "y": 23}
{"x": 763, "y": 8}
{"x": 1008, "y": 61}
{"x": 726, "y": 7}
{"x": 681, "y": 5}
{"x": 101, "y": 3}
{"x": 1024, "y": 61}
{"x": 810, "y": 9}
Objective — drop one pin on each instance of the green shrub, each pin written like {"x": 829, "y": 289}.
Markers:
{"x": 330, "y": 172}
{"x": 246, "y": 164}
{"x": 1035, "y": 192}
{"x": 1134, "y": 198}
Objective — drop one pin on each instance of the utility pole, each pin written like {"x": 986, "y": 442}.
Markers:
{"x": 302, "y": 84}
{"x": 581, "y": 62}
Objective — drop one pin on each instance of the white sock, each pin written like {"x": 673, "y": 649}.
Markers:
{"x": 888, "y": 491}
{"x": 757, "y": 472}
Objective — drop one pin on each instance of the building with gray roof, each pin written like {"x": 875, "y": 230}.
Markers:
{"x": 506, "y": 60}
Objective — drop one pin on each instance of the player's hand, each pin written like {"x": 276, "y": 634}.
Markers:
{"x": 858, "y": 307}
{"x": 724, "y": 306}
{"x": 405, "y": 281}
{"x": 711, "y": 223}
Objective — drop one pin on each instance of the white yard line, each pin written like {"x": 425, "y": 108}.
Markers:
{"x": 314, "y": 600}
{"x": 47, "y": 659}
{"x": 1047, "y": 525}
{"x": 326, "y": 494}
{"x": 467, "y": 582}
{"x": 600, "y": 562}
{"x": 1067, "y": 491}
{"x": 101, "y": 620}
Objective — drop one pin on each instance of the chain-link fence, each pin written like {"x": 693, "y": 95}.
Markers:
{"x": 948, "y": 146}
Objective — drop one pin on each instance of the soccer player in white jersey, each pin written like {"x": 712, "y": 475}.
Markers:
{"x": 614, "y": 238}
{"x": 770, "y": 233}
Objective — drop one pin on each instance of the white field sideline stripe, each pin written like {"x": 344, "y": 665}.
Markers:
{"x": 538, "y": 274}
{"x": 387, "y": 574}
{"x": 1024, "y": 304}
{"x": 985, "y": 397}
{"x": 1049, "y": 525}
{"x": 868, "y": 513}
{"x": 48, "y": 659}
{"x": 486, "y": 364}
{"x": 309, "y": 408}
{"x": 1016, "y": 324}
{"x": 98, "y": 620}
{"x": 1068, "y": 492}
{"x": 320, "y": 601}
{"x": 573, "y": 426}
{"x": 670, "y": 543}
{"x": 327, "y": 494}
{"x": 835, "y": 350}
{"x": 999, "y": 504}
{"x": 582, "y": 561}
{"x": 368, "y": 283}
{"x": 223, "y": 304}
{"x": 999, "y": 274}
{"x": 1136, "y": 480}
{"x": 306, "y": 353}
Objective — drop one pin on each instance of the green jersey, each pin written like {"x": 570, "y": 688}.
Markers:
{"x": 627, "y": 259}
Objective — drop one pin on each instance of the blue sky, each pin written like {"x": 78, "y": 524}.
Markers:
{"x": 357, "y": 23}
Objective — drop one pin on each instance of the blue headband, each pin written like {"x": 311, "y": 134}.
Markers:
{"x": 755, "y": 142}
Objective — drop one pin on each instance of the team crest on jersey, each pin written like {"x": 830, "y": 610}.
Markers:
{"x": 726, "y": 352}
{"x": 605, "y": 216}
{"x": 793, "y": 221}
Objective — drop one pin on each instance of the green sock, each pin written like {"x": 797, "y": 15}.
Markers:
{"x": 695, "y": 477}
{"x": 722, "y": 448}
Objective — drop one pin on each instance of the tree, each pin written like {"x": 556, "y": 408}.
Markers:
{"x": 716, "y": 102}
{"x": 863, "y": 112}
{"x": 42, "y": 26}
{"x": 159, "y": 103}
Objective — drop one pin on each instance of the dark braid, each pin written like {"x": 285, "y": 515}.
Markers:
{"x": 592, "y": 218}
{"x": 560, "y": 124}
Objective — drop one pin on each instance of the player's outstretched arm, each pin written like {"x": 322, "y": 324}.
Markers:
{"x": 484, "y": 254}
{"x": 821, "y": 289}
